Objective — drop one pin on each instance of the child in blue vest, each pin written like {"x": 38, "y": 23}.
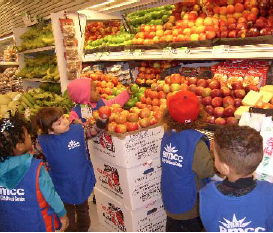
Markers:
{"x": 28, "y": 200}
{"x": 70, "y": 167}
{"x": 186, "y": 161}
{"x": 83, "y": 92}
{"x": 239, "y": 202}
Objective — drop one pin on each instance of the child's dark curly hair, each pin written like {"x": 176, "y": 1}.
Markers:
{"x": 240, "y": 147}
{"x": 199, "y": 123}
{"x": 11, "y": 133}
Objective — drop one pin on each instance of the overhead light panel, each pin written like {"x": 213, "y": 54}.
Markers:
{"x": 101, "y": 4}
{"x": 119, "y": 5}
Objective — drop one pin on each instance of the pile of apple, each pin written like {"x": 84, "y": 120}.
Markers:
{"x": 212, "y": 19}
{"x": 107, "y": 85}
{"x": 149, "y": 72}
{"x": 98, "y": 30}
{"x": 122, "y": 121}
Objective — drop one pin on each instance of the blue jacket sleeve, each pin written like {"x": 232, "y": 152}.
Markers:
{"x": 50, "y": 194}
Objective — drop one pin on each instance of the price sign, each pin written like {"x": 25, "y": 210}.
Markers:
{"x": 168, "y": 52}
{"x": 128, "y": 52}
{"x": 221, "y": 49}
{"x": 183, "y": 50}
{"x": 138, "y": 52}
{"x": 98, "y": 55}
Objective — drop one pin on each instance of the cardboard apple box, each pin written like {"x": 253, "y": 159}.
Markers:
{"x": 129, "y": 149}
{"x": 117, "y": 217}
{"x": 133, "y": 187}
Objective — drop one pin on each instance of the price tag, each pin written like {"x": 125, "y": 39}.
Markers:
{"x": 168, "y": 52}
{"x": 98, "y": 55}
{"x": 138, "y": 52}
{"x": 106, "y": 54}
{"x": 128, "y": 52}
{"x": 183, "y": 50}
{"x": 221, "y": 49}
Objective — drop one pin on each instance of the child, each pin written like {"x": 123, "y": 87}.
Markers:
{"x": 186, "y": 161}
{"x": 70, "y": 168}
{"x": 239, "y": 203}
{"x": 28, "y": 200}
{"x": 83, "y": 92}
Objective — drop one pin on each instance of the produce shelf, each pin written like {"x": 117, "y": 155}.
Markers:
{"x": 48, "y": 48}
{"x": 9, "y": 64}
{"x": 39, "y": 80}
{"x": 261, "y": 51}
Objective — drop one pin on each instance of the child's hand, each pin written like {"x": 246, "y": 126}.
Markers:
{"x": 65, "y": 222}
{"x": 77, "y": 121}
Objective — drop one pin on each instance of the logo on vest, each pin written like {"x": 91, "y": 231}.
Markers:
{"x": 238, "y": 225}
{"x": 73, "y": 144}
{"x": 12, "y": 195}
{"x": 170, "y": 156}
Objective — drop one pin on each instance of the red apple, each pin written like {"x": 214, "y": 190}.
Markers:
{"x": 104, "y": 112}
{"x": 239, "y": 7}
{"x": 120, "y": 128}
{"x": 220, "y": 121}
{"x": 237, "y": 85}
{"x": 132, "y": 126}
{"x": 232, "y": 121}
{"x": 253, "y": 32}
{"x": 216, "y": 93}
{"x": 237, "y": 103}
{"x": 192, "y": 87}
{"x": 198, "y": 90}
{"x": 217, "y": 101}
{"x": 214, "y": 84}
{"x": 202, "y": 83}
{"x": 239, "y": 93}
{"x": 209, "y": 109}
{"x": 232, "y": 34}
{"x": 207, "y": 100}
{"x": 144, "y": 113}
{"x": 111, "y": 126}
{"x": 184, "y": 87}
{"x": 192, "y": 80}
{"x": 227, "y": 101}
{"x": 176, "y": 78}
{"x": 229, "y": 111}
{"x": 218, "y": 112}
{"x": 225, "y": 91}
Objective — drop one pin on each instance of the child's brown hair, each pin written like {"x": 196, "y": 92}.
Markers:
{"x": 46, "y": 117}
{"x": 240, "y": 147}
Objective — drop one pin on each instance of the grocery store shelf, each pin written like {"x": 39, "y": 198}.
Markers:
{"x": 48, "y": 48}
{"x": 263, "y": 51}
{"x": 9, "y": 64}
{"x": 39, "y": 80}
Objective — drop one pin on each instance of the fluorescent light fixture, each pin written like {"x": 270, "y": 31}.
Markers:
{"x": 7, "y": 37}
{"x": 119, "y": 5}
{"x": 101, "y": 4}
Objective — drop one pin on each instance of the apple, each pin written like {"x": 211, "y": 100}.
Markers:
{"x": 175, "y": 78}
{"x": 216, "y": 93}
{"x": 192, "y": 80}
{"x": 120, "y": 128}
{"x": 184, "y": 87}
{"x": 266, "y": 31}
{"x": 120, "y": 118}
{"x": 144, "y": 113}
{"x": 251, "y": 87}
{"x": 132, "y": 126}
{"x": 206, "y": 92}
{"x": 237, "y": 85}
{"x": 166, "y": 88}
{"x": 225, "y": 91}
{"x": 155, "y": 102}
{"x": 104, "y": 112}
{"x": 175, "y": 87}
{"x": 223, "y": 10}
{"x": 198, "y": 90}
{"x": 227, "y": 101}
{"x": 252, "y": 17}
{"x": 144, "y": 122}
{"x": 211, "y": 119}
{"x": 253, "y": 32}
{"x": 237, "y": 102}
{"x": 202, "y": 83}
{"x": 210, "y": 34}
{"x": 239, "y": 7}
{"x": 220, "y": 121}
{"x": 229, "y": 111}
{"x": 192, "y": 87}
{"x": 230, "y": 9}
{"x": 132, "y": 117}
{"x": 232, "y": 34}
{"x": 217, "y": 101}
{"x": 214, "y": 84}
{"x": 111, "y": 126}
{"x": 239, "y": 93}
{"x": 232, "y": 121}
{"x": 218, "y": 111}
{"x": 206, "y": 100}
{"x": 209, "y": 109}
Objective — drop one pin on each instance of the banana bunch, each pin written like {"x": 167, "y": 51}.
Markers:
{"x": 52, "y": 74}
{"x": 36, "y": 98}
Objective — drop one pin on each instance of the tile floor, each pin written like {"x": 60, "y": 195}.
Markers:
{"x": 95, "y": 224}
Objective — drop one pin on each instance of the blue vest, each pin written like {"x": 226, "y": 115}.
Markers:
{"x": 77, "y": 109}
{"x": 70, "y": 168}
{"x": 248, "y": 213}
{"x": 178, "y": 179}
{"x": 23, "y": 208}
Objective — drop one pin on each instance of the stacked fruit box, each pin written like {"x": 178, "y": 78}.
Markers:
{"x": 128, "y": 174}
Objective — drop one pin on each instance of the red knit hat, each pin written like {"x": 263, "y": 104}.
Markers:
{"x": 183, "y": 106}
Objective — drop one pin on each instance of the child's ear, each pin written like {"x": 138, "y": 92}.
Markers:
{"x": 225, "y": 169}
{"x": 20, "y": 147}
